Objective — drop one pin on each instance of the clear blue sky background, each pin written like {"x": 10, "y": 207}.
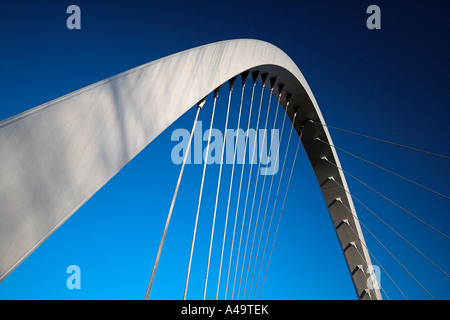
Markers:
{"x": 391, "y": 83}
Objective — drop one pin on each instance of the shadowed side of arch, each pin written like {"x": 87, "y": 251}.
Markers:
{"x": 54, "y": 157}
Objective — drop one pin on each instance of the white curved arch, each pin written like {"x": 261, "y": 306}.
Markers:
{"x": 54, "y": 157}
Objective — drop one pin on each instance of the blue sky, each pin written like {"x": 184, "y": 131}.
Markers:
{"x": 391, "y": 83}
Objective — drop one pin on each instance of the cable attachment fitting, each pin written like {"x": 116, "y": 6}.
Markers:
{"x": 288, "y": 98}
{"x": 304, "y": 123}
{"x": 349, "y": 245}
{"x": 244, "y": 76}
{"x": 364, "y": 293}
{"x": 216, "y": 91}
{"x": 264, "y": 78}
{"x": 201, "y": 103}
{"x": 231, "y": 82}
{"x": 255, "y": 76}
{"x": 280, "y": 89}
{"x": 272, "y": 82}
{"x": 343, "y": 222}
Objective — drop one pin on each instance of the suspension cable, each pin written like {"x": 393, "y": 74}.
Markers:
{"x": 231, "y": 83}
{"x": 364, "y": 259}
{"x": 259, "y": 208}
{"x": 391, "y": 201}
{"x": 254, "y": 76}
{"x": 282, "y": 207}
{"x": 384, "y": 247}
{"x": 386, "y": 224}
{"x": 268, "y": 196}
{"x": 263, "y": 80}
{"x": 385, "y": 141}
{"x": 384, "y": 169}
{"x": 229, "y": 194}
{"x": 376, "y": 260}
{"x": 276, "y": 196}
{"x": 256, "y": 187}
{"x": 216, "y": 93}
{"x": 169, "y": 215}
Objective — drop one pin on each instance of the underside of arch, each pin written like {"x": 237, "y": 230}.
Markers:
{"x": 54, "y": 157}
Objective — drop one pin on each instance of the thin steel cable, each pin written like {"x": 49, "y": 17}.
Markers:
{"x": 394, "y": 203}
{"x": 254, "y": 194}
{"x": 281, "y": 211}
{"x": 276, "y": 197}
{"x": 169, "y": 215}
{"x": 384, "y": 141}
{"x": 267, "y": 202}
{"x": 384, "y": 247}
{"x": 259, "y": 208}
{"x": 217, "y": 196}
{"x": 199, "y": 198}
{"x": 382, "y": 289}
{"x": 248, "y": 189}
{"x": 229, "y": 197}
{"x": 239, "y": 194}
{"x": 376, "y": 260}
{"x": 386, "y": 224}
{"x": 373, "y": 274}
{"x": 364, "y": 259}
{"x": 359, "y": 253}
{"x": 386, "y": 170}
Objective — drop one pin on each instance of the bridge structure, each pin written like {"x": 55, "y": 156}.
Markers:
{"x": 56, "y": 156}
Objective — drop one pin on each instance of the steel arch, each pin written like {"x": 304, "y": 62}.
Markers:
{"x": 54, "y": 157}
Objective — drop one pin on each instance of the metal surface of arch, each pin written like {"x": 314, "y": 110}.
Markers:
{"x": 54, "y": 157}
